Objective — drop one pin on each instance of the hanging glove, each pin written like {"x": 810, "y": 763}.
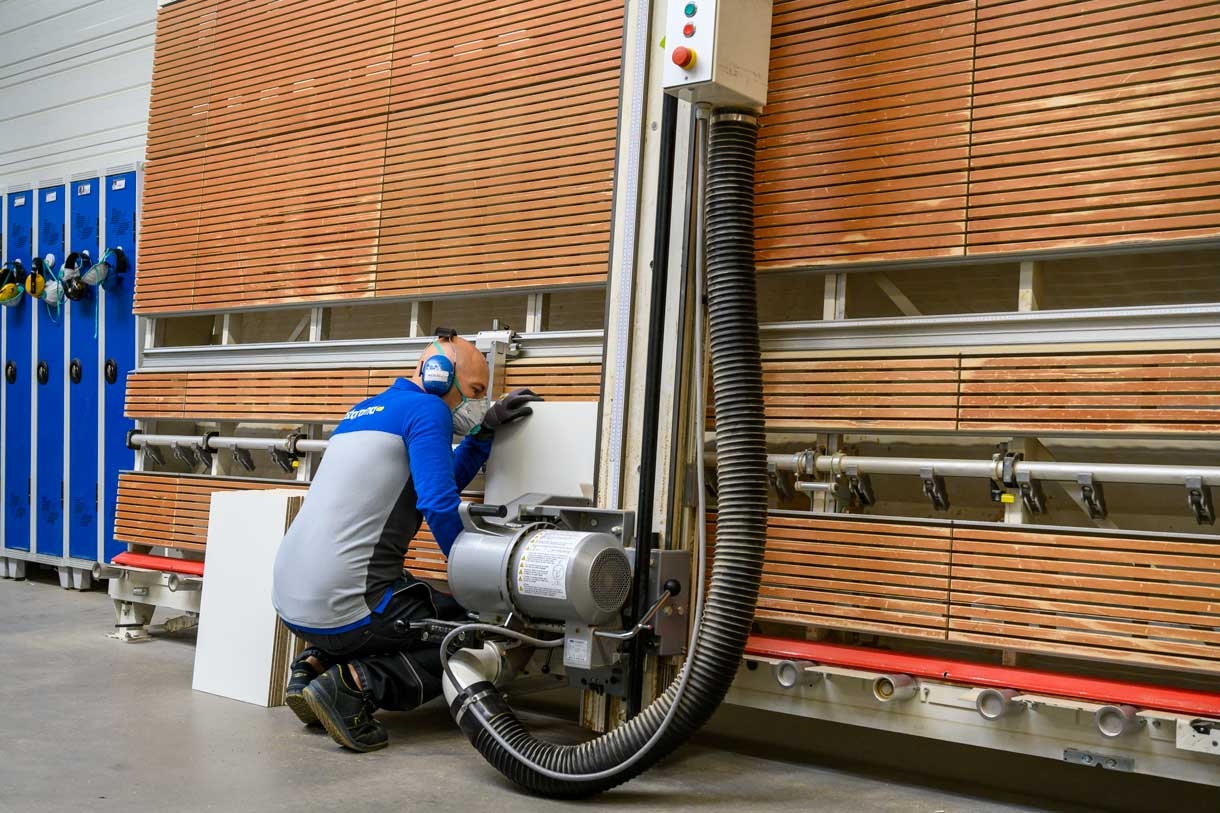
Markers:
{"x": 511, "y": 407}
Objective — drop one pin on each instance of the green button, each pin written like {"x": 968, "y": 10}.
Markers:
{"x": 691, "y": 8}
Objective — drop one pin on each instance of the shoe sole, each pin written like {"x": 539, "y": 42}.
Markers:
{"x": 300, "y": 707}
{"x": 331, "y": 722}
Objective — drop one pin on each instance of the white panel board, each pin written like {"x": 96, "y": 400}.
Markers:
{"x": 235, "y": 654}
{"x": 75, "y": 77}
{"x": 551, "y": 452}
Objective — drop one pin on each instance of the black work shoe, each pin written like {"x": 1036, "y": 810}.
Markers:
{"x": 302, "y": 675}
{"x": 344, "y": 711}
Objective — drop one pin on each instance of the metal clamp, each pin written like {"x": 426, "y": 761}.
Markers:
{"x": 1093, "y": 495}
{"x": 860, "y": 486}
{"x": 153, "y": 454}
{"x": 205, "y": 450}
{"x": 287, "y": 461}
{"x": 1032, "y": 494}
{"x": 186, "y": 454}
{"x": 1199, "y": 498}
{"x": 934, "y": 488}
{"x": 1008, "y": 469}
{"x": 781, "y": 481}
{"x": 243, "y": 458}
{"x": 805, "y": 463}
{"x": 288, "y": 458}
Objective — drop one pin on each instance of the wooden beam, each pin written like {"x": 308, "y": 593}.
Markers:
{"x": 896, "y": 295}
{"x": 1030, "y": 293}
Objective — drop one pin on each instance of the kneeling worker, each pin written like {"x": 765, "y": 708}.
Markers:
{"x": 339, "y": 581}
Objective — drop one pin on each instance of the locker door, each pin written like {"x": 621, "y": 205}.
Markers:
{"x": 49, "y": 394}
{"x": 84, "y": 380}
{"x": 18, "y": 354}
{"x": 119, "y": 347}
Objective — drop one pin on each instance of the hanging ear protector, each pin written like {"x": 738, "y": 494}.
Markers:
{"x": 112, "y": 263}
{"x": 36, "y": 280}
{"x": 75, "y": 264}
{"x": 12, "y": 278}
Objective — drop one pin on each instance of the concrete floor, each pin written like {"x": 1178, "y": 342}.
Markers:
{"x": 89, "y": 723}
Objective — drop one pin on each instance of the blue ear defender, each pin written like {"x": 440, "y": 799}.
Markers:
{"x": 438, "y": 371}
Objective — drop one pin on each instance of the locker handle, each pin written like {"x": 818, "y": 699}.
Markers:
{"x": 44, "y": 372}
{"x": 74, "y": 371}
{"x": 10, "y": 373}
{"x": 112, "y": 371}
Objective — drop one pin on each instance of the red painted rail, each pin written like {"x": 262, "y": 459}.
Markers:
{"x": 165, "y": 564}
{"x": 1094, "y": 690}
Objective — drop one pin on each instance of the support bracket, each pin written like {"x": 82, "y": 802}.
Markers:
{"x": 1093, "y": 495}
{"x": 860, "y": 486}
{"x": 934, "y": 488}
{"x": 781, "y": 481}
{"x": 1199, "y": 498}
{"x": 1032, "y": 494}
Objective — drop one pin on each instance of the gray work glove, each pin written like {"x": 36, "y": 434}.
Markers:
{"x": 511, "y": 407}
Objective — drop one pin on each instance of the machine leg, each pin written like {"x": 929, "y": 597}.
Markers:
{"x": 12, "y": 568}
{"x": 132, "y": 620}
{"x": 74, "y": 578}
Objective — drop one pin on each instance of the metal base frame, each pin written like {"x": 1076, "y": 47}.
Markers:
{"x": 1160, "y": 744}
{"x": 138, "y": 593}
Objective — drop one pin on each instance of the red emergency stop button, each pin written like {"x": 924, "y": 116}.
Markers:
{"x": 684, "y": 57}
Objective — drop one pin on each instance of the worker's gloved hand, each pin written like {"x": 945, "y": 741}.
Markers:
{"x": 511, "y": 407}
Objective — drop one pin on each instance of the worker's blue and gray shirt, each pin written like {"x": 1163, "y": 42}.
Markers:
{"x": 390, "y": 460}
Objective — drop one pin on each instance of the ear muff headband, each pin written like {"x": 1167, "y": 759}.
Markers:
{"x": 438, "y": 372}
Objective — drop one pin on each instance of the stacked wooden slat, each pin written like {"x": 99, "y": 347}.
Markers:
{"x": 858, "y": 393}
{"x": 171, "y": 510}
{"x": 500, "y": 157}
{"x": 861, "y": 575}
{"x": 557, "y": 380}
{"x": 1137, "y": 599}
{"x": 314, "y": 396}
{"x": 311, "y": 396}
{"x": 324, "y": 151}
{"x": 281, "y": 200}
{"x": 424, "y": 559}
{"x": 864, "y": 146}
{"x": 1095, "y": 122}
{"x": 1175, "y": 392}
{"x": 1140, "y": 600}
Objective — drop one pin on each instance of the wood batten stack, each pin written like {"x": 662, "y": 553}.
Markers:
{"x": 864, "y": 145}
{"x": 1094, "y": 124}
{"x": 363, "y": 152}
{"x": 499, "y": 159}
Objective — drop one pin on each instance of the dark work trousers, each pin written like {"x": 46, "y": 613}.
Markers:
{"x": 397, "y": 670}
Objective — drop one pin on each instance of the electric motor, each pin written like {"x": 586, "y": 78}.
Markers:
{"x": 541, "y": 572}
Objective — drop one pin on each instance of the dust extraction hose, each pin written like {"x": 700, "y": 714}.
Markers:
{"x": 574, "y": 771}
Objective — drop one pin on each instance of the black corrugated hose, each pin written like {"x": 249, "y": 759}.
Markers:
{"x": 575, "y": 771}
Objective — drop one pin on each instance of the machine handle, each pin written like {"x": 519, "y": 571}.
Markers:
{"x": 483, "y": 510}
{"x": 44, "y": 372}
{"x": 10, "y": 373}
{"x": 74, "y": 371}
{"x": 111, "y": 371}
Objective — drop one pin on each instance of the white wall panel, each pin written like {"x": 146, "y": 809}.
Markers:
{"x": 74, "y": 85}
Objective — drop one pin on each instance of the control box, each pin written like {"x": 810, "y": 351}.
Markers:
{"x": 717, "y": 51}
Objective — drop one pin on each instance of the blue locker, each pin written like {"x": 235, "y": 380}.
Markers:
{"x": 120, "y": 343}
{"x": 83, "y": 383}
{"x": 50, "y": 373}
{"x": 18, "y": 353}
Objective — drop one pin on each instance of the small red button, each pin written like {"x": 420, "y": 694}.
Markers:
{"x": 688, "y": 30}
{"x": 684, "y": 57}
